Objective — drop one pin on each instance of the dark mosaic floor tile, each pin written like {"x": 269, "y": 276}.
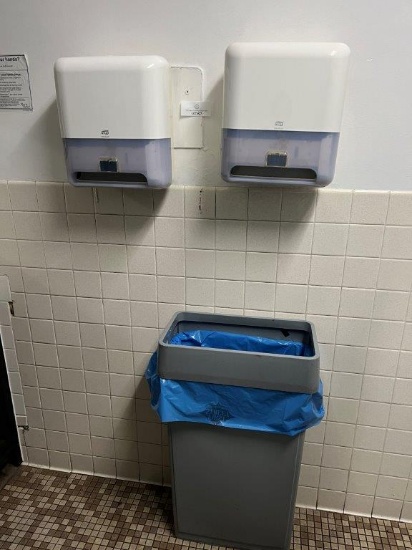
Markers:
{"x": 48, "y": 510}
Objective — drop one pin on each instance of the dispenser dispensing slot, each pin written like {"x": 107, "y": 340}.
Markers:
{"x": 273, "y": 172}
{"x": 109, "y": 177}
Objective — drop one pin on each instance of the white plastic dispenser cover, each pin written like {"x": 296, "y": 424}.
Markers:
{"x": 115, "y": 120}
{"x": 282, "y": 112}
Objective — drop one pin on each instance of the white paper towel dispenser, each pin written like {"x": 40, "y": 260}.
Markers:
{"x": 115, "y": 120}
{"x": 282, "y": 112}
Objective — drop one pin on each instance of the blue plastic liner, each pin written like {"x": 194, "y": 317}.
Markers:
{"x": 235, "y": 406}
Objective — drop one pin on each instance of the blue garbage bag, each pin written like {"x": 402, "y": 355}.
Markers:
{"x": 235, "y": 406}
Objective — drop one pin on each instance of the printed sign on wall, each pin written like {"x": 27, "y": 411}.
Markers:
{"x": 15, "y": 90}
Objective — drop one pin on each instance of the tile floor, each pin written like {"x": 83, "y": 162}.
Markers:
{"x": 55, "y": 510}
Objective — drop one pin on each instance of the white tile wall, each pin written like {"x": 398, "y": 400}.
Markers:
{"x": 95, "y": 275}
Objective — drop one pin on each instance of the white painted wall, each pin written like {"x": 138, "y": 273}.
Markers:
{"x": 377, "y": 130}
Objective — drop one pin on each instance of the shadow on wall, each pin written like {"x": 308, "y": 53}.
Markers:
{"x": 43, "y": 140}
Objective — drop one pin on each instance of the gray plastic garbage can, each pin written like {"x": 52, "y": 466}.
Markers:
{"x": 236, "y": 487}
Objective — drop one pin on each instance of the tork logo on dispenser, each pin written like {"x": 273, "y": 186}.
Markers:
{"x": 282, "y": 112}
{"x": 115, "y": 120}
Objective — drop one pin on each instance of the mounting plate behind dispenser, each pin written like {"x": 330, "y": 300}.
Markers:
{"x": 282, "y": 112}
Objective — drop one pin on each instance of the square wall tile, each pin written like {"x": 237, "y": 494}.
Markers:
{"x": 140, "y": 230}
{"x": 400, "y": 208}
{"x": 113, "y": 285}
{"x": 144, "y": 314}
{"x": 118, "y": 337}
{"x": 200, "y": 292}
{"x": 169, "y": 261}
{"x": 50, "y": 196}
{"x": 90, "y": 310}
{"x": 112, "y": 257}
{"x": 142, "y": 288}
{"x": 367, "y": 462}
{"x": 198, "y": 234}
{"x": 95, "y": 359}
{"x": 358, "y": 505}
{"x": 293, "y": 268}
{"x": 395, "y": 275}
{"x": 35, "y": 280}
{"x": 85, "y": 257}
{"x": 361, "y": 272}
{"x": 346, "y": 385}
{"x": 169, "y": 202}
{"x": 397, "y": 243}
{"x": 64, "y": 308}
{"x": 144, "y": 339}
{"x": 230, "y": 235}
{"x": 262, "y": 236}
{"x": 109, "y": 200}
{"x": 362, "y": 483}
{"x": 42, "y": 330}
{"x": 386, "y": 334}
{"x": 92, "y": 335}
{"x": 31, "y": 253}
{"x": 79, "y": 199}
{"x": 377, "y": 388}
{"x": 171, "y": 289}
{"x": 260, "y": 296}
{"x": 326, "y": 270}
{"x": 387, "y": 508}
{"x": 296, "y": 238}
{"x": 264, "y": 204}
{"x": 230, "y": 265}
{"x": 138, "y": 204}
{"x": 369, "y": 207}
{"x": 356, "y": 302}
{"x": 229, "y": 294}
{"x": 291, "y": 298}
{"x": 70, "y": 357}
{"x": 333, "y": 205}
{"x": 4, "y": 196}
{"x": 38, "y": 306}
{"x": 117, "y": 312}
{"x": 390, "y": 305}
{"x": 58, "y": 255}
{"x": 169, "y": 232}
{"x": 54, "y": 227}
{"x": 110, "y": 229}
{"x": 352, "y": 331}
{"x": 369, "y": 438}
{"x": 61, "y": 282}
{"x": 200, "y": 202}
{"x": 330, "y": 239}
{"x": 342, "y": 410}
{"x": 261, "y": 266}
{"x": 200, "y": 263}
{"x": 383, "y": 362}
{"x": 231, "y": 203}
{"x": 7, "y": 230}
{"x": 82, "y": 228}
{"x": 23, "y": 195}
{"x": 88, "y": 283}
{"x": 27, "y": 225}
{"x": 365, "y": 240}
{"x": 349, "y": 359}
{"x": 298, "y": 205}
{"x": 323, "y": 300}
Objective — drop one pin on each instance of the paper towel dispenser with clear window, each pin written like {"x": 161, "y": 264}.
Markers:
{"x": 115, "y": 120}
{"x": 282, "y": 112}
